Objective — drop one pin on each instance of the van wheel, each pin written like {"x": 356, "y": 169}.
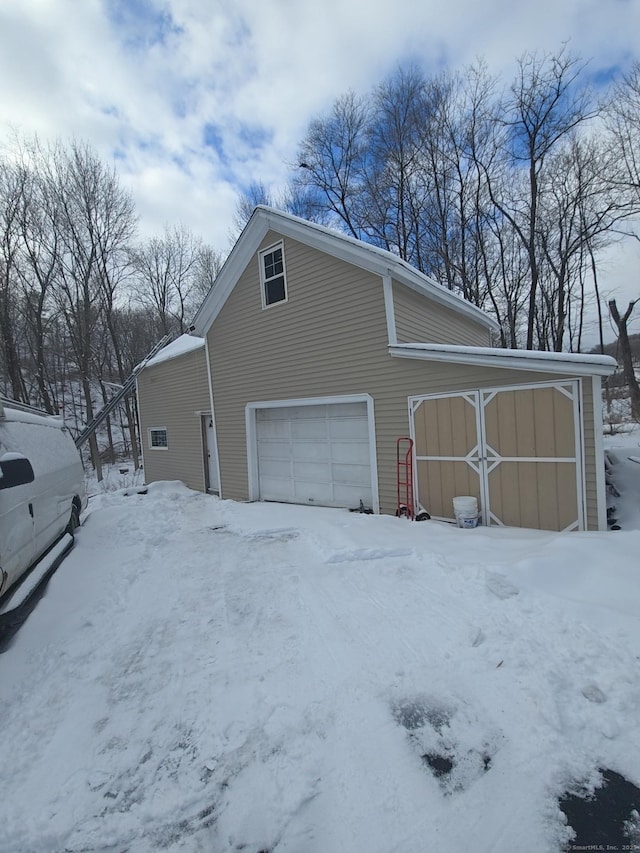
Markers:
{"x": 74, "y": 521}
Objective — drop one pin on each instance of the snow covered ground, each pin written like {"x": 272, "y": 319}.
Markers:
{"x": 209, "y": 676}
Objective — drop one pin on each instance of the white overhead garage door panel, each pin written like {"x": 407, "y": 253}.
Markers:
{"x": 317, "y": 454}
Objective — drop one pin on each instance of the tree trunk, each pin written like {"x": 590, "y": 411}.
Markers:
{"x": 93, "y": 440}
{"x": 12, "y": 357}
{"x": 625, "y": 352}
{"x": 111, "y": 450}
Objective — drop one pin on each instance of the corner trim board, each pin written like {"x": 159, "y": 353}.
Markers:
{"x": 598, "y": 436}
{"x": 387, "y": 290}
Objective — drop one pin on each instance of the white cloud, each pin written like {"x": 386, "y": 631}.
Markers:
{"x": 146, "y": 81}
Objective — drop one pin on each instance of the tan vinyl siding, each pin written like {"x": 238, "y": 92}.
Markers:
{"x": 170, "y": 394}
{"x": 329, "y": 338}
{"x": 419, "y": 320}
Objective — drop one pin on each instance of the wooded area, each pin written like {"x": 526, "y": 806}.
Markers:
{"x": 81, "y": 300}
{"x": 508, "y": 193}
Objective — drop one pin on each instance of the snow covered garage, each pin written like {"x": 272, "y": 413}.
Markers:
{"x": 314, "y": 352}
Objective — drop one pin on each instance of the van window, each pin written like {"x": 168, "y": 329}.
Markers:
{"x": 15, "y": 470}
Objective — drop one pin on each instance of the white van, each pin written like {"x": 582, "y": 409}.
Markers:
{"x": 42, "y": 489}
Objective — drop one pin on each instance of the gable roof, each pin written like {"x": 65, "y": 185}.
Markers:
{"x": 363, "y": 255}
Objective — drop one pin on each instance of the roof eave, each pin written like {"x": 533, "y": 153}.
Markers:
{"x": 526, "y": 361}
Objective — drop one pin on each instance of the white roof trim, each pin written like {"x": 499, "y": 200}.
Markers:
{"x": 334, "y": 243}
{"x": 575, "y": 364}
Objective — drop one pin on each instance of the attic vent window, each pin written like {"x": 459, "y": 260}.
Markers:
{"x": 273, "y": 276}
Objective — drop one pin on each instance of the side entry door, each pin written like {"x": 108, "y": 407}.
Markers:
{"x": 211, "y": 460}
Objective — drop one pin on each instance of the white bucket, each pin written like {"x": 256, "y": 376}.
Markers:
{"x": 465, "y": 505}
{"x": 468, "y": 521}
{"x": 465, "y": 509}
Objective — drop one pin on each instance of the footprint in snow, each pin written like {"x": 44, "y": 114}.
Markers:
{"x": 500, "y": 586}
{"x": 593, "y": 693}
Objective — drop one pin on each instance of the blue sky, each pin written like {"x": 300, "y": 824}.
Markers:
{"x": 198, "y": 98}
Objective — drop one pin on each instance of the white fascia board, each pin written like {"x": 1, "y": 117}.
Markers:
{"x": 335, "y": 244}
{"x": 541, "y": 362}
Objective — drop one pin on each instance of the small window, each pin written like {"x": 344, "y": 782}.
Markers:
{"x": 273, "y": 276}
{"x": 158, "y": 438}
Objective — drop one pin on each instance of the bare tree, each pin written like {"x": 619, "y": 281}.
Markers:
{"x": 621, "y": 322}
{"x": 38, "y": 270}
{"x": 247, "y": 201}
{"x": 209, "y": 263}
{"x": 330, "y": 164}
{"x": 577, "y": 214}
{"x": 546, "y": 102}
{"x": 168, "y": 274}
{"x": 394, "y": 192}
{"x": 96, "y": 220}
{"x": 623, "y": 122}
{"x": 11, "y": 188}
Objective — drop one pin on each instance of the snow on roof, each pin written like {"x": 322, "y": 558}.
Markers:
{"x": 15, "y": 415}
{"x": 181, "y": 345}
{"x": 553, "y": 361}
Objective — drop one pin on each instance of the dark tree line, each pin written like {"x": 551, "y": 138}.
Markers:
{"x": 507, "y": 194}
{"x": 82, "y": 299}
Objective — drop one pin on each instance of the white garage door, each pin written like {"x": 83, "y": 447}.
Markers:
{"x": 315, "y": 454}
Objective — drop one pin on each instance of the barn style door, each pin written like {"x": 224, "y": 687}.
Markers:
{"x": 448, "y": 452}
{"x": 517, "y": 449}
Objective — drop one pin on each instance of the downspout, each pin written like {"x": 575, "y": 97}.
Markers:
{"x": 213, "y": 413}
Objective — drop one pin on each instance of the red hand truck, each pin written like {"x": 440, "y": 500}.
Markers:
{"x": 404, "y": 458}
